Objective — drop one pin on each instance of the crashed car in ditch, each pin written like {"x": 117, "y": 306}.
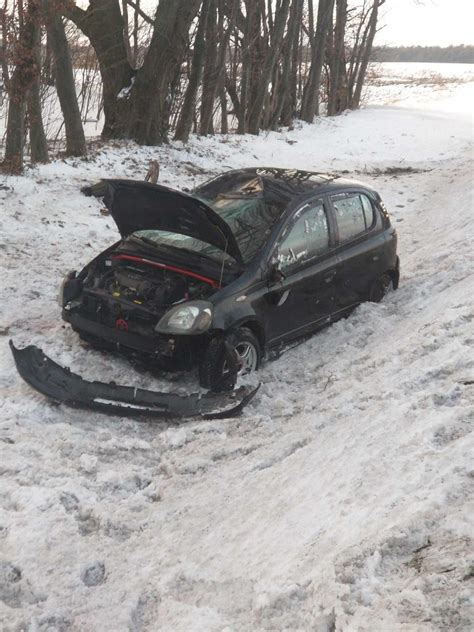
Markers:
{"x": 245, "y": 263}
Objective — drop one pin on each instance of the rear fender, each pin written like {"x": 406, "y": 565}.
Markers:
{"x": 395, "y": 274}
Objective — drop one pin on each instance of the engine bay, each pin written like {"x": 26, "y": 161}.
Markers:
{"x": 142, "y": 282}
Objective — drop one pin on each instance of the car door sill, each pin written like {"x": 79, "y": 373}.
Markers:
{"x": 310, "y": 328}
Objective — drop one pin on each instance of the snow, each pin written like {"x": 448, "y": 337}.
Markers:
{"x": 341, "y": 499}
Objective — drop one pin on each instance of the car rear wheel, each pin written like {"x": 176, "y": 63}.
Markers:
{"x": 380, "y": 288}
{"x": 228, "y": 357}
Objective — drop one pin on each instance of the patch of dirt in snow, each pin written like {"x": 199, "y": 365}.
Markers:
{"x": 340, "y": 500}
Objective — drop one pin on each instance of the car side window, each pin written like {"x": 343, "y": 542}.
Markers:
{"x": 307, "y": 238}
{"x": 354, "y": 214}
{"x": 369, "y": 213}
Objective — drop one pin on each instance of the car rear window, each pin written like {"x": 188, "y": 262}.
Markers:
{"x": 354, "y": 214}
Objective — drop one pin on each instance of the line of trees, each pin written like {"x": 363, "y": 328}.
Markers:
{"x": 435, "y": 54}
{"x": 192, "y": 65}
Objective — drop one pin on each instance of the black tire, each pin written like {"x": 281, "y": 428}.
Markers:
{"x": 221, "y": 363}
{"x": 380, "y": 288}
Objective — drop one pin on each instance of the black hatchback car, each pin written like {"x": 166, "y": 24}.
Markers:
{"x": 247, "y": 262}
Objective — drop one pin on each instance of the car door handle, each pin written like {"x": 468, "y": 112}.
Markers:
{"x": 375, "y": 258}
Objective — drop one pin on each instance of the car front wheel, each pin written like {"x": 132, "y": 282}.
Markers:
{"x": 228, "y": 357}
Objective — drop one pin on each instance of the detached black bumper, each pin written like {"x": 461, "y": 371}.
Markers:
{"x": 63, "y": 386}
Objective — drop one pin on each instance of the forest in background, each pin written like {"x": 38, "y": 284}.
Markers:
{"x": 429, "y": 54}
{"x": 204, "y": 66}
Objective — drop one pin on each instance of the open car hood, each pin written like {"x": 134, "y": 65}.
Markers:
{"x": 136, "y": 205}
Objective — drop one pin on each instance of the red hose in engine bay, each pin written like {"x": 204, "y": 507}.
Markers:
{"x": 165, "y": 266}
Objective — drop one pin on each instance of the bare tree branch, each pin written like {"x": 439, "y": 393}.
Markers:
{"x": 140, "y": 12}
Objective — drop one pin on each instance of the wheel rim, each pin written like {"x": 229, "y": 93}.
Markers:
{"x": 248, "y": 357}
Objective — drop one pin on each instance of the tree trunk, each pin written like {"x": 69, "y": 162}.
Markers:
{"x": 210, "y": 70}
{"x": 310, "y": 104}
{"x": 23, "y": 76}
{"x": 337, "y": 97}
{"x": 135, "y": 34}
{"x": 367, "y": 50}
{"x": 103, "y": 24}
{"x": 248, "y": 43}
{"x": 65, "y": 84}
{"x": 231, "y": 90}
{"x": 15, "y": 140}
{"x": 38, "y": 144}
{"x": 268, "y": 66}
{"x": 224, "y": 113}
{"x": 215, "y": 82}
{"x": 126, "y": 36}
{"x": 284, "y": 109}
{"x": 355, "y": 56}
{"x": 4, "y": 48}
{"x": 259, "y": 47}
{"x": 143, "y": 114}
{"x": 290, "y": 108}
{"x": 185, "y": 121}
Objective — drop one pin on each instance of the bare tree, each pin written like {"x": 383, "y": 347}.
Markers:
{"x": 217, "y": 42}
{"x": 363, "y": 55}
{"x": 38, "y": 144}
{"x": 318, "y": 40}
{"x": 263, "y": 61}
{"x": 285, "y": 106}
{"x": 144, "y": 112}
{"x": 209, "y": 76}
{"x": 102, "y": 22}
{"x": 269, "y": 63}
{"x": 249, "y": 54}
{"x": 65, "y": 83}
{"x": 19, "y": 85}
{"x": 185, "y": 121}
{"x": 337, "y": 94}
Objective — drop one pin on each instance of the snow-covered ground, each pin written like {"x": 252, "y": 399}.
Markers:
{"x": 340, "y": 500}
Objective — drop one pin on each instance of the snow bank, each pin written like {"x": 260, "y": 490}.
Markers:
{"x": 340, "y": 500}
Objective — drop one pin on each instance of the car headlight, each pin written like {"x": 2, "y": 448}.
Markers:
{"x": 63, "y": 295}
{"x": 194, "y": 317}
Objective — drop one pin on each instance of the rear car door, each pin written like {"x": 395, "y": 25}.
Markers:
{"x": 361, "y": 246}
{"x": 303, "y": 295}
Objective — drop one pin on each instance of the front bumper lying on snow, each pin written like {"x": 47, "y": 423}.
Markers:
{"x": 62, "y": 386}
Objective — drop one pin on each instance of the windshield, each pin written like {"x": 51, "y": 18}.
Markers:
{"x": 250, "y": 220}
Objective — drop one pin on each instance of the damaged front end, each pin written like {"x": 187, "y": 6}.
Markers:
{"x": 62, "y": 386}
{"x": 120, "y": 302}
{"x": 149, "y": 296}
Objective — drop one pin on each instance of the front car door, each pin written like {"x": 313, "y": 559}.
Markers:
{"x": 361, "y": 246}
{"x": 302, "y": 297}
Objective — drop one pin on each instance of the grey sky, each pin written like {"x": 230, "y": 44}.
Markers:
{"x": 412, "y": 22}
{"x": 427, "y": 22}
